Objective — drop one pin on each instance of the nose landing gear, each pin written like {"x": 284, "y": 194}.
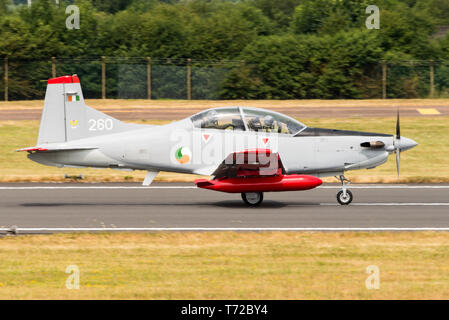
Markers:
{"x": 344, "y": 196}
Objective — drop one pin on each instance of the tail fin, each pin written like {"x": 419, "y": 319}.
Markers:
{"x": 65, "y": 116}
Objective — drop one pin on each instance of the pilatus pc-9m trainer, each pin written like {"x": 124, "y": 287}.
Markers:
{"x": 245, "y": 150}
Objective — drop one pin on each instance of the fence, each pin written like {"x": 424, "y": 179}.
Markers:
{"x": 147, "y": 78}
{"x": 415, "y": 79}
{"x": 122, "y": 78}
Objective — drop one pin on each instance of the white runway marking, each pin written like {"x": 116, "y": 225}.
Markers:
{"x": 384, "y": 187}
{"x": 194, "y": 187}
{"x": 392, "y": 204}
{"x": 25, "y": 230}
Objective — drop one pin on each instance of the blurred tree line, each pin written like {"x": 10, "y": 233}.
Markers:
{"x": 288, "y": 49}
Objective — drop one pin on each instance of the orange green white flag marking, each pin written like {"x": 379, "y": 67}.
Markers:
{"x": 73, "y": 98}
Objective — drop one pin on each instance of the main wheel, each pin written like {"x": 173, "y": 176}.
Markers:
{"x": 342, "y": 199}
{"x": 252, "y": 198}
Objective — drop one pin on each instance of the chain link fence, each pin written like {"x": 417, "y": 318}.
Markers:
{"x": 147, "y": 78}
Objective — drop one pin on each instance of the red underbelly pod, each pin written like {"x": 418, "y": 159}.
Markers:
{"x": 283, "y": 182}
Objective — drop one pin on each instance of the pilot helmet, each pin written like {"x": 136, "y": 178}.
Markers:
{"x": 212, "y": 116}
{"x": 268, "y": 121}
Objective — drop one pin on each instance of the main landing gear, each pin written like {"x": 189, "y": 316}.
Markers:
{"x": 344, "y": 196}
{"x": 252, "y": 199}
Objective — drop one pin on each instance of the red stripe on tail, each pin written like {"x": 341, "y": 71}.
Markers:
{"x": 64, "y": 79}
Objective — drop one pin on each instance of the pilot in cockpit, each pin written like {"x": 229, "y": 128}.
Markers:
{"x": 210, "y": 121}
{"x": 255, "y": 124}
{"x": 268, "y": 123}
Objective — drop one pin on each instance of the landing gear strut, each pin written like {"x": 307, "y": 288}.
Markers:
{"x": 344, "y": 197}
{"x": 252, "y": 198}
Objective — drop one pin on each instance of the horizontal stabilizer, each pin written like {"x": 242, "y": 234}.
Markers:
{"x": 52, "y": 149}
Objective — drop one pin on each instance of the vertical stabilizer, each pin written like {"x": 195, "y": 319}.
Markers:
{"x": 52, "y": 127}
{"x": 66, "y": 117}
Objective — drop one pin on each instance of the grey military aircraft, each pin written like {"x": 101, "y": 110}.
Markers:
{"x": 245, "y": 150}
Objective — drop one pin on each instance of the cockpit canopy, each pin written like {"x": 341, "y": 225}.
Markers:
{"x": 242, "y": 118}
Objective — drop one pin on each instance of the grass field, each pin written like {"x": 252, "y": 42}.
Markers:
{"x": 226, "y": 265}
{"x": 428, "y": 162}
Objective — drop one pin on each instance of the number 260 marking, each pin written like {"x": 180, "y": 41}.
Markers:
{"x": 100, "y": 124}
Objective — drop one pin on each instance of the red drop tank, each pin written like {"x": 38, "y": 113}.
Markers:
{"x": 290, "y": 182}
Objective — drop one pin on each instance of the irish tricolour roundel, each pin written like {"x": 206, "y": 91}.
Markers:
{"x": 183, "y": 155}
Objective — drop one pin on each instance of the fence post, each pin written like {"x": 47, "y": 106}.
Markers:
{"x": 103, "y": 78}
{"x": 189, "y": 86}
{"x": 53, "y": 67}
{"x": 384, "y": 80}
{"x": 432, "y": 75}
{"x": 6, "y": 78}
{"x": 148, "y": 78}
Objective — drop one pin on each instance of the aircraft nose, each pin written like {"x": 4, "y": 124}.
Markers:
{"x": 406, "y": 143}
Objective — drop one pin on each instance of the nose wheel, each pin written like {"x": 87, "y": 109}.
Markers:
{"x": 252, "y": 198}
{"x": 344, "y": 196}
{"x": 344, "y": 199}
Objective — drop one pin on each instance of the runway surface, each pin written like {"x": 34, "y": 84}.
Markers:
{"x": 181, "y": 113}
{"x": 165, "y": 205}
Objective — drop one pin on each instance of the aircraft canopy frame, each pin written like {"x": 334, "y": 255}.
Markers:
{"x": 246, "y": 119}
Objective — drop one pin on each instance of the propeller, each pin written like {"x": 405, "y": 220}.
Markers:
{"x": 397, "y": 142}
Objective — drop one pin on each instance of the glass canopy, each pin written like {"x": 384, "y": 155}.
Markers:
{"x": 252, "y": 119}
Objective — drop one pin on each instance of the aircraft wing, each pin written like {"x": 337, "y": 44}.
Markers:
{"x": 254, "y": 162}
{"x": 206, "y": 171}
{"x": 255, "y": 171}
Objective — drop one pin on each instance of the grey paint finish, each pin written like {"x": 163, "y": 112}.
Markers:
{"x": 52, "y": 127}
{"x": 106, "y": 142}
{"x": 314, "y": 132}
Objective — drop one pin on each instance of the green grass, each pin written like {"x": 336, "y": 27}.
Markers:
{"x": 226, "y": 265}
{"x": 428, "y": 162}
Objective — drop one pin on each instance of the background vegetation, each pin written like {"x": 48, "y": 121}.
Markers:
{"x": 292, "y": 49}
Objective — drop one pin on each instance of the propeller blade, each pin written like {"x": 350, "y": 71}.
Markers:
{"x": 398, "y": 127}
{"x": 398, "y": 160}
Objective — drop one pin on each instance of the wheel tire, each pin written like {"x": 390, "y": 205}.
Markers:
{"x": 252, "y": 199}
{"x": 344, "y": 200}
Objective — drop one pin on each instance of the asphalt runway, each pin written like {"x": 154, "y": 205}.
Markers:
{"x": 166, "y": 205}
{"x": 181, "y": 113}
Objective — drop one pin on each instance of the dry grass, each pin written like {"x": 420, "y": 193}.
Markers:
{"x": 228, "y": 265}
{"x": 270, "y": 104}
{"x": 426, "y": 163}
